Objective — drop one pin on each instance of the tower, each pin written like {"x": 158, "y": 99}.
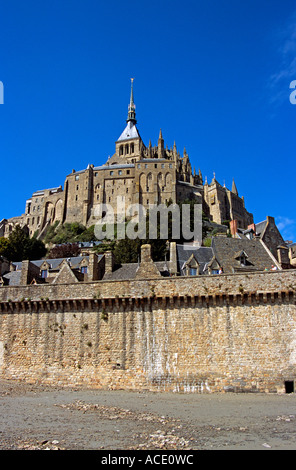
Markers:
{"x": 129, "y": 146}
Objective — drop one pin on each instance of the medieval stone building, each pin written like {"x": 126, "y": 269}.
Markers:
{"x": 135, "y": 174}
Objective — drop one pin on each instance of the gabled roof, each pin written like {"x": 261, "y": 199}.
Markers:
{"x": 260, "y": 227}
{"x": 129, "y": 270}
{"x": 228, "y": 249}
{"x": 203, "y": 256}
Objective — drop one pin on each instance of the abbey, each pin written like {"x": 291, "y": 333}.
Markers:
{"x": 135, "y": 174}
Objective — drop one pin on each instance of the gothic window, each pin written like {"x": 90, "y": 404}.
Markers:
{"x": 126, "y": 148}
{"x": 132, "y": 148}
{"x": 121, "y": 150}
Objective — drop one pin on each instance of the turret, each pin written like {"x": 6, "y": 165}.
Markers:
{"x": 160, "y": 146}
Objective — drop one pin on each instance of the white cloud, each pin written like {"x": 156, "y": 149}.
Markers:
{"x": 287, "y": 227}
{"x": 280, "y": 80}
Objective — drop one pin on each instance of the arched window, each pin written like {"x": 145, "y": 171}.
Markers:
{"x": 121, "y": 150}
{"x": 132, "y": 148}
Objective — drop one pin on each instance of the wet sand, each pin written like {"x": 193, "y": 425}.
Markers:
{"x": 37, "y": 417}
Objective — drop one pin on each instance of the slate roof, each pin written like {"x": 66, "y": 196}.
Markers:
{"x": 260, "y": 227}
{"x": 203, "y": 256}
{"x": 13, "y": 277}
{"x": 226, "y": 251}
{"x": 129, "y": 270}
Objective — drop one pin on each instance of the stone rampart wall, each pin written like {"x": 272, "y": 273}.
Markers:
{"x": 218, "y": 333}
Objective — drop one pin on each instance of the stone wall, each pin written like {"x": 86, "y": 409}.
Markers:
{"x": 217, "y": 333}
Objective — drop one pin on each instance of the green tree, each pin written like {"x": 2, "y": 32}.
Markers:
{"x": 21, "y": 246}
{"x": 4, "y": 244}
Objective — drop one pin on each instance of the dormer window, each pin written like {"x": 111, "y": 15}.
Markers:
{"x": 243, "y": 260}
{"x": 84, "y": 269}
{"x": 44, "y": 273}
{"x": 241, "y": 257}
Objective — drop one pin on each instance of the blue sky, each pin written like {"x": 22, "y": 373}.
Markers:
{"x": 213, "y": 75}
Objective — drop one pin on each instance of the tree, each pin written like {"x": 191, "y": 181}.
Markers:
{"x": 21, "y": 246}
{"x": 4, "y": 243}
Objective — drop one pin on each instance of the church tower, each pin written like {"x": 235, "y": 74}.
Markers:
{"x": 129, "y": 146}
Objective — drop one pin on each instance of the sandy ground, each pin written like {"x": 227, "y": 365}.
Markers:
{"x": 35, "y": 417}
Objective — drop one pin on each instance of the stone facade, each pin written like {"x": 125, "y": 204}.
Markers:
{"x": 135, "y": 174}
{"x": 198, "y": 334}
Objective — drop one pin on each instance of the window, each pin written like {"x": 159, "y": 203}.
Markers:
{"x": 162, "y": 165}
{"x": 243, "y": 260}
{"x": 84, "y": 269}
{"x": 111, "y": 173}
{"x": 44, "y": 273}
{"x": 77, "y": 187}
{"x": 170, "y": 165}
{"x": 139, "y": 165}
{"x": 215, "y": 271}
{"x": 76, "y": 177}
{"x": 132, "y": 148}
{"x": 192, "y": 271}
{"x": 155, "y": 165}
{"x": 127, "y": 172}
{"x": 120, "y": 172}
{"x": 146, "y": 166}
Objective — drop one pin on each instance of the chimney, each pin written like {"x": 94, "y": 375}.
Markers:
{"x": 173, "y": 259}
{"x": 109, "y": 262}
{"x": 253, "y": 226}
{"x": 28, "y": 273}
{"x": 283, "y": 256}
{"x": 147, "y": 269}
{"x": 233, "y": 227}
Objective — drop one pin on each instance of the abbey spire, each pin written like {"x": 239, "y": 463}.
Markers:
{"x": 130, "y": 131}
{"x": 132, "y": 108}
